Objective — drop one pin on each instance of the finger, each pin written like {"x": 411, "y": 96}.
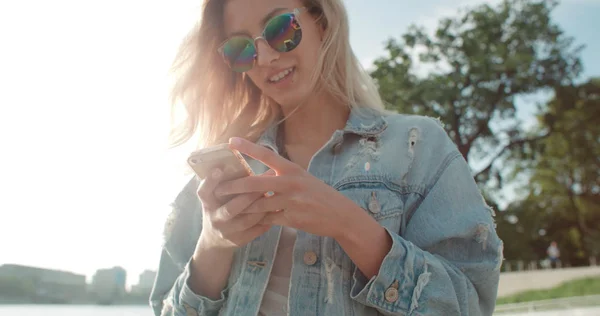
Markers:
{"x": 206, "y": 190}
{"x": 275, "y": 218}
{"x": 256, "y": 184}
{"x": 268, "y": 204}
{"x": 240, "y": 223}
{"x": 262, "y": 154}
{"x": 236, "y": 205}
{"x": 253, "y": 232}
{"x": 257, "y": 230}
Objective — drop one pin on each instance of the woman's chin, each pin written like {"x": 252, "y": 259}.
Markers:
{"x": 290, "y": 100}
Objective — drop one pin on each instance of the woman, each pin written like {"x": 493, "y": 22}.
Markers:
{"x": 373, "y": 213}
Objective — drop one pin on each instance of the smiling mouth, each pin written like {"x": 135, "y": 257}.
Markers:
{"x": 282, "y": 75}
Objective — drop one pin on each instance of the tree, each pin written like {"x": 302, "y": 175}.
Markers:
{"x": 564, "y": 187}
{"x": 478, "y": 64}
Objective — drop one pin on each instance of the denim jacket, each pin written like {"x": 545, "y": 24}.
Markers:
{"x": 406, "y": 173}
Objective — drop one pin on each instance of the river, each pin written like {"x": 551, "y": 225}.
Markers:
{"x": 74, "y": 310}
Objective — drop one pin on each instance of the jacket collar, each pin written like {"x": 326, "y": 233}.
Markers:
{"x": 364, "y": 122}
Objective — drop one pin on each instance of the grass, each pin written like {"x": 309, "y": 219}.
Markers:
{"x": 581, "y": 287}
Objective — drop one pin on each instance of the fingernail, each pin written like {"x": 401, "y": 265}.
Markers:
{"x": 235, "y": 141}
{"x": 216, "y": 174}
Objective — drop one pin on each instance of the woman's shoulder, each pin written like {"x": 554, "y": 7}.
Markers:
{"x": 425, "y": 131}
{"x": 398, "y": 121}
{"x": 417, "y": 134}
{"x": 425, "y": 124}
{"x": 184, "y": 223}
{"x": 423, "y": 140}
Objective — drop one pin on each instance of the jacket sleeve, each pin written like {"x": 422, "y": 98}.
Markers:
{"x": 447, "y": 262}
{"x": 171, "y": 295}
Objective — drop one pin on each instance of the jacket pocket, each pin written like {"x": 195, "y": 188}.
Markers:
{"x": 376, "y": 198}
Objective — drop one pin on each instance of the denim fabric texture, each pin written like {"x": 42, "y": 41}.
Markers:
{"x": 407, "y": 174}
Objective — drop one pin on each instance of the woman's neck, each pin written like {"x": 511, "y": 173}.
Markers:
{"x": 314, "y": 122}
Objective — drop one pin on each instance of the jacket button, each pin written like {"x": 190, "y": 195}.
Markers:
{"x": 310, "y": 258}
{"x": 374, "y": 205}
{"x": 391, "y": 294}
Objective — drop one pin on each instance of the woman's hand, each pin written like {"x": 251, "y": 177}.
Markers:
{"x": 301, "y": 200}
{"x": 224, "y": 226}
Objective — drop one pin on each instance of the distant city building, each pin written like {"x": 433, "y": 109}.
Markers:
{"x": 49, "y": 285}
{"x": 145, "y": 283}
{"x": 108, "y": 285}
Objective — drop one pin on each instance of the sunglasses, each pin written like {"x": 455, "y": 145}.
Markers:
{"x": 282, "y": 33}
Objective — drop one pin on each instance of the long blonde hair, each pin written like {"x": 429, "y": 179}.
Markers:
{"x": 220, "y": 103}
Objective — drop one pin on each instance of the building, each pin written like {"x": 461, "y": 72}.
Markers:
{"x": 48, "y": 286}
{"x": 108, "y": 285}
{"x": 145, "y": 283}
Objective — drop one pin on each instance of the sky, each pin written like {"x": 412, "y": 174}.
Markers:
{"x": 86, "y": 176}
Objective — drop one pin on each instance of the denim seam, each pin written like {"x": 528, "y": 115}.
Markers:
{"x": 241, "y": 276}
{"x": 445, "y": 163}
{"x": 385, "y": 305}
{"x": 389, "y": 184}
{"x": 388, "y": 214}
{"x": 320, "y": 251}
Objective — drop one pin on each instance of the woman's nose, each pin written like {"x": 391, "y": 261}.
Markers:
{"x": 265, "y": 53}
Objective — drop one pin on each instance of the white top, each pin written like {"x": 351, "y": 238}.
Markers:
{"x": 553, "y": 252}
{"x": 275, "y": 300}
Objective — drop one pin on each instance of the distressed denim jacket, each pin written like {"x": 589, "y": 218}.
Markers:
{"x": 406, "y": 173}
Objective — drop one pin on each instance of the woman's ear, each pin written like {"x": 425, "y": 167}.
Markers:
{"x": 322, "y": 26}
{"x": 319, "y": 19}
{"x": 322, "y": 32}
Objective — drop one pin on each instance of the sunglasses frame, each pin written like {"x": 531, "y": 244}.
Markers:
{"x": 296, "y": 13}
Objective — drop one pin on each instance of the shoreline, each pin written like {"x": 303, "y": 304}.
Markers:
{"x": 27, "y": 301}
{"x": 3, "y": 303}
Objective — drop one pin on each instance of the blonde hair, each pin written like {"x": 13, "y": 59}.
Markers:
{"x": 220, "y": 103}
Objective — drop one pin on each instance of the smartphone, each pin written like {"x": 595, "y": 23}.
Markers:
{"x": 230, "y": 161}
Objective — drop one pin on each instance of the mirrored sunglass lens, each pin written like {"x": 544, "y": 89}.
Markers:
{"x": 283, "y": 33}
{"x": 239, "y": 53}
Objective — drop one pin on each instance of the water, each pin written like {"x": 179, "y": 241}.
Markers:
{"x": 92, "y": 310}
{"x": 74, "y": 310}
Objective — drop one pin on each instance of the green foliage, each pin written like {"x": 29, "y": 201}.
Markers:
{"x": 479, "y": 63}
{"x": 470, "y": 72}
{"x": 589, "y": 286}
{"x": 564, "y": 186}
